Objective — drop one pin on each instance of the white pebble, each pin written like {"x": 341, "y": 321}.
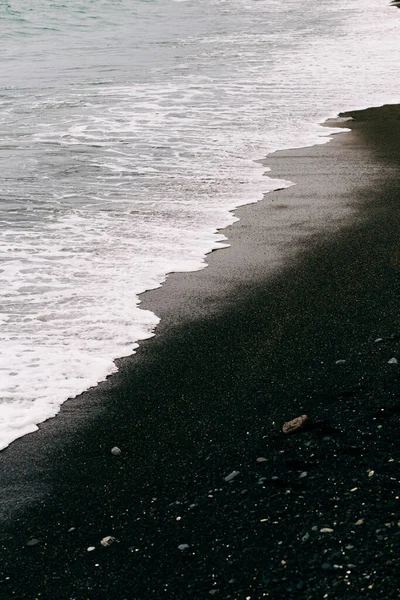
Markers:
{"x": 232, "y": 476}
{"x": 326, "y": 530}
{"x": 340, "y": 362}
{"x": 108, "y": 540}
{"x": 115, "y": 451}
{"x": 183, "y": 546}
{"x": 91, "y": 548}
{"x": 393, "y": 361}
{"x": 303, "y": 474}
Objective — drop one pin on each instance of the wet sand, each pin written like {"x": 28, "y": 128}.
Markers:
{"x": 311, "y": 278}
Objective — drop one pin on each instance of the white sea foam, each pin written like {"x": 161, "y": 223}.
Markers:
{"x": 118, "y": 166}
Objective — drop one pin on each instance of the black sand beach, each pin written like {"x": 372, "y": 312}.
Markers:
{"x": 285, "y": 322}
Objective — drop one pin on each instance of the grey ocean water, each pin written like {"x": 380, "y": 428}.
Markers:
{"x": 129, "y": 130}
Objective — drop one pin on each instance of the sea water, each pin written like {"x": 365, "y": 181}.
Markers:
{"x": 129, "y": 131}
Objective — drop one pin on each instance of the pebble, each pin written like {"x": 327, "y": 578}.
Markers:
{"x": 393, "y": 361}
{"x": 91, "y": 548}
{"x": 378, "y": 340}
{"x": 300, "y": 585}
{"x": 232, "y": 476}
{"x": 71, "y": 529}
{"x": 303, "y": 474}
{"x": 341, "y": 361}
{"x": 183, "y": 546}
{"x": 261, "y": 459}
{"x": 115, "y": 451}
{"x": 326, "y": 530}
{"x": 32, "y": 542}
{"x": 295, "y": 424}
{"x": 108, "y": 540}
{"x": 359, "y": 522}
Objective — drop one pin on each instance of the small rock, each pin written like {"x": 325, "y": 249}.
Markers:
{"x": 108, "y": 540}
{"x": 378, "y": 341}
{"x": 91, "y": 548}
{"x": 183, "y": 546}
{"x": 32, "y": 542}
{"x": 303, "y": 474}
{"x": 300, "y": 585}
{"x": 232, "y": 476}
{"x": 295, "y": 425}
{"x": 341, "y": 361}
{"x": 115, "y": 451}
{"x": 326, "y": 530}
{"x": 71, "y": 529}
{"x": 393, "y": 361}
{"x": 359, "y": 522}
{"x": 261, "y": 459}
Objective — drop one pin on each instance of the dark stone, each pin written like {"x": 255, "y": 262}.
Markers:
{"x": 301, "y": 585}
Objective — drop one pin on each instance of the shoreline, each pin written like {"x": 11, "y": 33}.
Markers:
{"x": 338, "y": 125}
{"x": 242, "y": 346}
